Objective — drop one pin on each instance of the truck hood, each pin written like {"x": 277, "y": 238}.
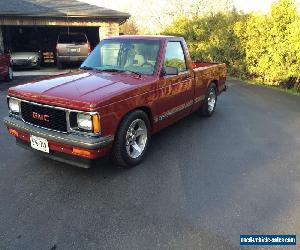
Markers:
{"x": 84, "y": 90}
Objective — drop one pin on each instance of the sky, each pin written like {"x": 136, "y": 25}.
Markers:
{"x": 244, "y": 5}
{"x": 253, "y": 5}
{"x": 152, "y": 16}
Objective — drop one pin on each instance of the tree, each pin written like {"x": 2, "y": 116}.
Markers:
{"x": 129, "y": 27}
{"x": 261, "y": 47}
{"x": 212, "y": 38}
{"x": 268, "y": 41}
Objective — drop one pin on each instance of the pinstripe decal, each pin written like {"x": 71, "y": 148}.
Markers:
{"x": 178, "y": 109}
{"x": 175, "y": 110}
{"x": 199, "y": 99}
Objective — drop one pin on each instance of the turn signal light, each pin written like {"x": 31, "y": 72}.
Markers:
{"x": 13, "y": 132}
{"x": 96, "y": 124}
{"x": 81, "y": 152}
{"x": 89, "y": 48}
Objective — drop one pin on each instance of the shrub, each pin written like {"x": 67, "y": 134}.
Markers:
{"x": 260, "y": 47}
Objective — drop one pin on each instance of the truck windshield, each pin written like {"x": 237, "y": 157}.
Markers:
{"x": 138, "y": 56}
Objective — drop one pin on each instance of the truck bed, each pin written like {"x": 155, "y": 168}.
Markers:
{"x": 210, "y": 71}
{"x": 200, "y": 64}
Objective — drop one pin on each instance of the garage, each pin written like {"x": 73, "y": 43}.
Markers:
{"x": 32, "y": 27}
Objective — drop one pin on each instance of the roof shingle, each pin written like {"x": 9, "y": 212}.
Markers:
{"x": 56, "y": 8}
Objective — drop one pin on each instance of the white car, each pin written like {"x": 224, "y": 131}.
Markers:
{"x": 26, "y": 59}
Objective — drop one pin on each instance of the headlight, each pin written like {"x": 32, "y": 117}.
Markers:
{"x": 14, "y": 106}
{"x": 84, "y": 121}
{"x": 89, "y": 122}
{"x": 33, "y": 58}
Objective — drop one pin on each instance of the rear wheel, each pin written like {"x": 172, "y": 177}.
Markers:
{"x": 132, "y": 139}
{"x": 210, "y": 102}
{"x": 60, "y": 64}
{"x": 38, "y": 65}
{"x": 10, "y": 75}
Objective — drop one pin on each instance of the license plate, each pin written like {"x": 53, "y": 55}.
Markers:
{"x": 40, "y": 144}
{"x": 75, "y": 50}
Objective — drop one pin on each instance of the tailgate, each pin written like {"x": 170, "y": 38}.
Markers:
{"x": 62, "y": 49}
{"x": 73, "y": 49}
{"x": 78, "y": 49}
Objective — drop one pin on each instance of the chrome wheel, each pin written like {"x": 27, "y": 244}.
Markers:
{"x": 136, "y": 138}
{"x": 211, "y": 100}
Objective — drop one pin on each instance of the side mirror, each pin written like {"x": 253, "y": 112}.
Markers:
{"x": 167, "y": 70}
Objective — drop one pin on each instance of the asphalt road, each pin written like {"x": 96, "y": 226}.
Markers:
{"x": 203, "y": 183}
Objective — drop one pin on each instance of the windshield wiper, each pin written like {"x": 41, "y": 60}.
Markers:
{"x": 86, "y": 68}
{"x": 133, "y": 72}
{"x": 121, "y": 70}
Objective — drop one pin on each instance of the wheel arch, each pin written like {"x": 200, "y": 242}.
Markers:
{"x": 117, "y": 154}
{"x": 216, "y": 82}
{"x": 147, "y": 110}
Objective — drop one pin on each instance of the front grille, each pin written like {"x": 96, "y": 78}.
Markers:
{"x": 21, "y": 62}
{"x": 57, "y": 117}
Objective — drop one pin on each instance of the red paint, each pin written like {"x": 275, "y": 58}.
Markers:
{"x": 61, "y": 148}
{"x": 113, "y": 95}
{"x": 4, "y": 63}
{"x": 40, "y": 117}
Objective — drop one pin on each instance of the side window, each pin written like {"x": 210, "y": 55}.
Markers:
{"x": 175, "y": 56}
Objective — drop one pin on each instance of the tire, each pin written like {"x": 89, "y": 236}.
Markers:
{"x": 208, "y": 107}
{"x": 125, "y": 151}
{"x": 38, "y": 66}
{"x": 10, "y": 75}
{"x": 60, "y": 65}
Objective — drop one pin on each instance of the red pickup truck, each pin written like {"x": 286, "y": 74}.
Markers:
{"x": 6, "y": 70}
{"x": 129, "y": 88}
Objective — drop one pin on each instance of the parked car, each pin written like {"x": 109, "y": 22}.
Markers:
{"x": 72, "y": 48}
{"x": 6, "y": 69}
{"x": 26, "y": 59}
{"x": 129, "y": 88}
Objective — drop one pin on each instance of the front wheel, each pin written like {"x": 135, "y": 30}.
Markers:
{"x": 10, "y": 75}
{"x": 209, "y": 105}
{"x": 132, "y": 139}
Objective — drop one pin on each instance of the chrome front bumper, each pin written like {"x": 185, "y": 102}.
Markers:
{"x": 72, "y": 139}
